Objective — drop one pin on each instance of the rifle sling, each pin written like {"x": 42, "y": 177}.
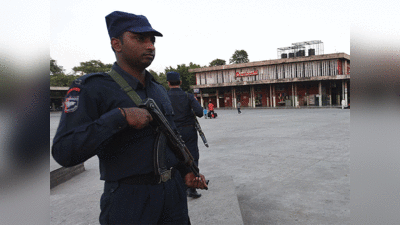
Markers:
{"x": 137, "y": 100}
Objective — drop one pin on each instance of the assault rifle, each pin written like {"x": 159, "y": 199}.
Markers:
{"x": 198, "y": 128}
{"x": 173, "y": 138}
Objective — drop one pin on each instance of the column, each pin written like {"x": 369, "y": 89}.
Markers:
{"x": 293, "y": 100}
{"x": 217, "y": 95}
{"x": 296, "y": 96}
{"x": 201, "y": 99}
{"x": 270, "y": 95}
{"x": 233, "y": 97}
{"x": 345, "y": 93}
{"x": 273, "y": 97}
{"x": 320, "y": 93}
{"x": 253, "y": 97}
{"x": 330, "y": 93}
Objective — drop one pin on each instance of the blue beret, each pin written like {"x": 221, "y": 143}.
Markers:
{"x": 119, "y": 22}
{"x": 173, "y": 76}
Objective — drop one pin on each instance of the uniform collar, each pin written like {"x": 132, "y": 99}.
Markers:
{"x": 135, "y": 83}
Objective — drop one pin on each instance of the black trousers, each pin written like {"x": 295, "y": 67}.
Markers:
{"x": 164, "y": 203}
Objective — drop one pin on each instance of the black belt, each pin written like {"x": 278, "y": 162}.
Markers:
{"x": 186, "y": 126}
{"x": 150, "y": 178}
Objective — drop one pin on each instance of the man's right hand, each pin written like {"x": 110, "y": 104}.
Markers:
{"x": 137, "y": 118}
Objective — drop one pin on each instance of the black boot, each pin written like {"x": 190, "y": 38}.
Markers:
{"x": 193, "y": 193}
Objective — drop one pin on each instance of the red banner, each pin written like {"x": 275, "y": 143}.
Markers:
{"x": 247, "y": 74}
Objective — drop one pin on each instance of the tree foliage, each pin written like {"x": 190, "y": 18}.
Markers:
{"x": 160, "y": 78}
{"x": 186, "y": 77}
{"x": 61, "y": 80}
{"x": 92, "y": 66}
{"x": 217, "y": 62}
{"x": 54, "y": 68}
{"x": 240, "y": 56}
{"x": 57, "y": 76}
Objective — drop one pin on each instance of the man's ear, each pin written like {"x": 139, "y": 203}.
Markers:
{"x": 116, "y": 44}
{"x": 180, "y": 83}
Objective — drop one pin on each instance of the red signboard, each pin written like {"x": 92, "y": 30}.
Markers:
{"x": 247, "y": 74}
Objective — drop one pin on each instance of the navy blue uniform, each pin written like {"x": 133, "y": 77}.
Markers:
{"x": 92, "y": 124}
{"x": 183, "y": 104}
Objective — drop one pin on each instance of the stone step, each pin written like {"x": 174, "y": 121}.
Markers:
{"x": 62, "y": 174}
{"x": 217, "y": 205}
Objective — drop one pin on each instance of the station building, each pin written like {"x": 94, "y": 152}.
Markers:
{"x": 296, "y": 81}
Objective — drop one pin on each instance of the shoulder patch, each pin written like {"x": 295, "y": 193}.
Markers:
{"x": 71, "y": 104}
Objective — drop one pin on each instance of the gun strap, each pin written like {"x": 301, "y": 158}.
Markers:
{"x": 137, "y": 100}
{"x": 125, "y": 86}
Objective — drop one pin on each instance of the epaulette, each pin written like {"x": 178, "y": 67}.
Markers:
{"x": 81, "y": 80}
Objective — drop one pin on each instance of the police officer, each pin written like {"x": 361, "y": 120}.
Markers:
{"x": 100, "y": 119}
{"x": 184, "y": 104}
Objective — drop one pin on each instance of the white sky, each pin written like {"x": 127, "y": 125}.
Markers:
{"x": 199, "y": 31}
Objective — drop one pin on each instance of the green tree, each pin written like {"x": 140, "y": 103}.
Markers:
{"x": 217, "y": 62}
{"x": 239, "y": 57}
{"x": 54, "y": 68}
{"x": 160, "y": 78}
{"x": 61, "y": 80}
{"x": 92, "y": 66}
{"x": 57, "y": 76}
{"x": 186, "y": 77}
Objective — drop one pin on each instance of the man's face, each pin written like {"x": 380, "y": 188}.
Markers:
{"x": 138, "y": 49}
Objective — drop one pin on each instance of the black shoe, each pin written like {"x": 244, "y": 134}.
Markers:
{"x": 193, "y": 193}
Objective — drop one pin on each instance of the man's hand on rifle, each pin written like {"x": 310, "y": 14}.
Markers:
{"x": 195, "y": 182}
{"x": 136, "y": 117}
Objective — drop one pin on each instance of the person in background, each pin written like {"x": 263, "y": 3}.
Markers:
{"x": 238, "y": 107}
{"x": 210, "y": 109}
{"x": 185, "y": 107}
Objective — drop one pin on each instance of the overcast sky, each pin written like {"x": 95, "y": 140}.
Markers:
{"x": 199, "y": 31}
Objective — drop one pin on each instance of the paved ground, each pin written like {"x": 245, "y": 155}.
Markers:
{"x": 287, "y": 166}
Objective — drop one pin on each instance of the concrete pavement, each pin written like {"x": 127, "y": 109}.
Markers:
{"x": 288, "y": 166}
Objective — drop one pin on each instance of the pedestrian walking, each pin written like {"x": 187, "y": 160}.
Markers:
{"x": 238, "y": 107}
{"x": 99, "y": 118}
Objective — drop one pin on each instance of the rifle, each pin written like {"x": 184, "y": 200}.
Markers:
{"x": 175, "y": 141}
{"x": 198, "y": 128}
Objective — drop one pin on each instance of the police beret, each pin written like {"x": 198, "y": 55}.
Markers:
{"x": 173, "y": 76}
{"x": 119, "y": 22}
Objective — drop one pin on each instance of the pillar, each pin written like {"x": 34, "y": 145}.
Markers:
{"x": 345, "y": 93}
{"x": 233, "y": 97}
{"x": 201, "y": 99}
{"x": 320, "y": 93}
{"x": 293, "y": 100}
{"x": 274, "y": 97}
{"x": 217, "y": 95}
{"x": 253, "y": 97}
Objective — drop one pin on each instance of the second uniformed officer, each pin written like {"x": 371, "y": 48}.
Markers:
{"x": 184, "y": 104}
{"x": 100, "y": 119}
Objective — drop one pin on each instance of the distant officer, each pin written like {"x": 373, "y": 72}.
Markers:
{"x": 184, "y": 104}
{"x": 99, "y": 118}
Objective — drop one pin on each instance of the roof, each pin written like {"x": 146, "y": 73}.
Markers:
{"x": 273, "y": 62}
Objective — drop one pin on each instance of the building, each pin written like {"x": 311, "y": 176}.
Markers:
{"x": 57, "y": 95}
{"x": 299, "y": 80}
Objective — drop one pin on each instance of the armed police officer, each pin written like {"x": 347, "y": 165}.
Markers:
{"x": 184, "y": 105}
{"x": 101, "y": 119}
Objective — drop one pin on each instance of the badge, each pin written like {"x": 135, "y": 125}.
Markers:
{"x": 71, "y": 104}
